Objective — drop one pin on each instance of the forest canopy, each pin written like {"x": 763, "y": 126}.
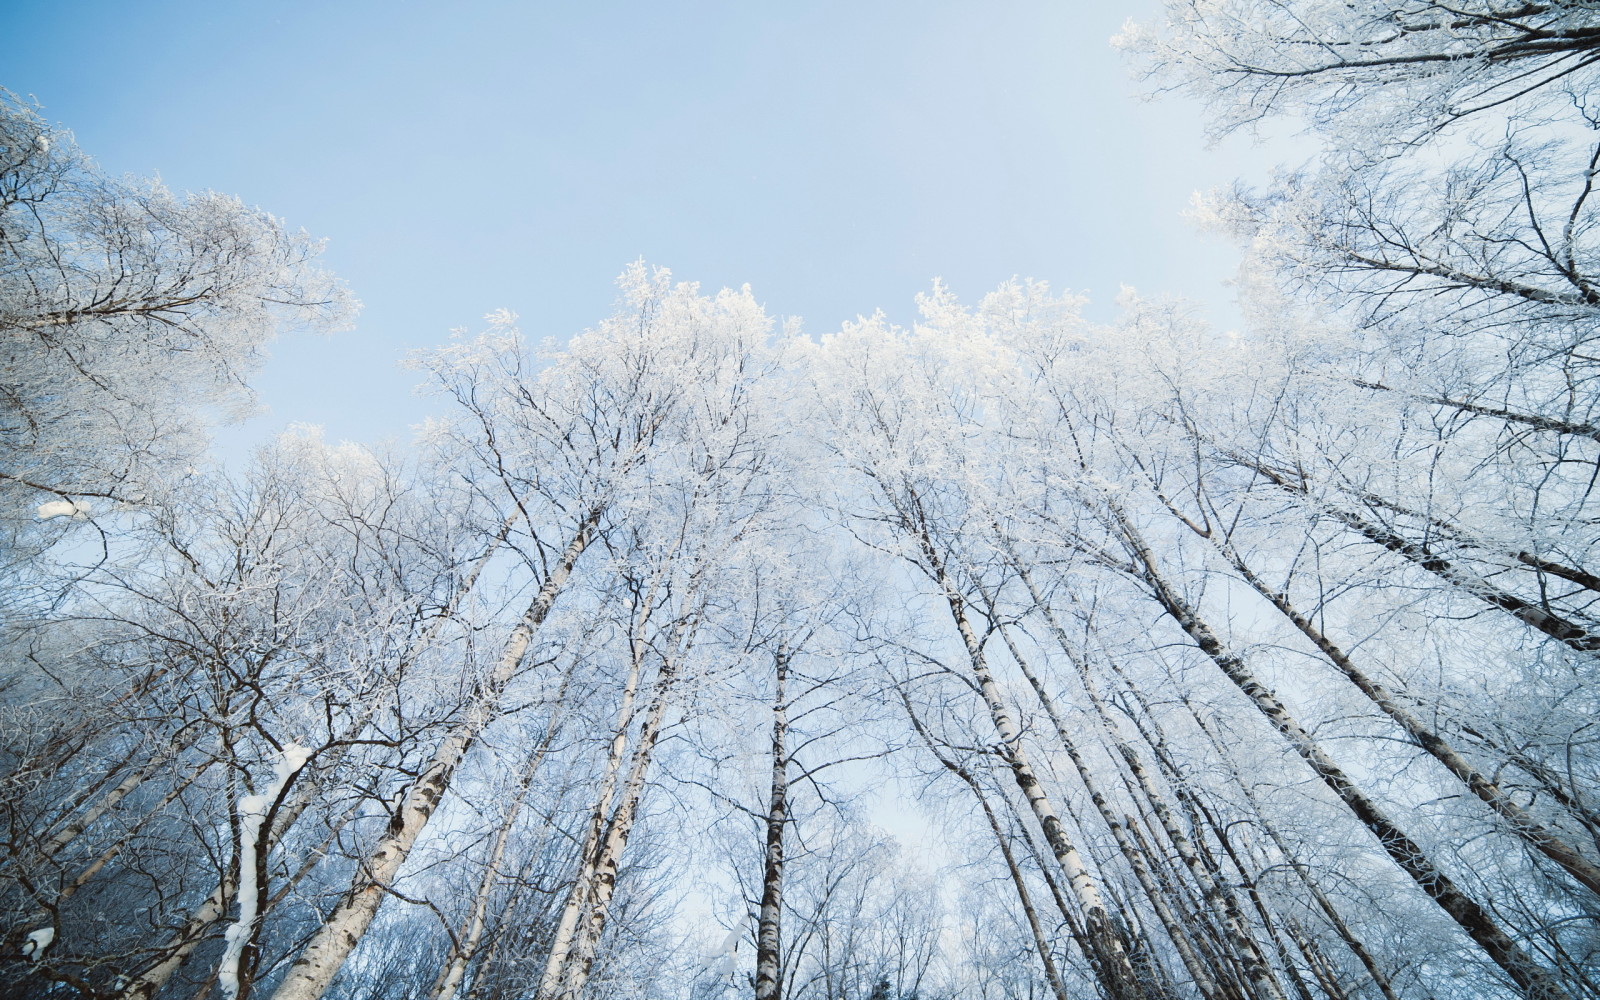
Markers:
{"x": 1245, "y": 665}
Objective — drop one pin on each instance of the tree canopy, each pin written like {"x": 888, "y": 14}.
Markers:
{"x": 1244, "y": 665}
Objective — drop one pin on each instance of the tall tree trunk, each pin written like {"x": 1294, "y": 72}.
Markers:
{"x": 1131, "y": 852}
{"x": 1246, "y": 877}
{"x": 110, "y": 853}
{"x": 1221, "y": 903}
{"x": 572, "y": 954}
{"x": 466, "y": 943}
{"x": 1069, "y": 915}
{"x": 579, "y": 896}
{"x": 567, "y": 980}
{"x": 1533, "y": 980}
{"x": 1318, "y": 963}
{"x": 76, "y": 826}
{"x": 1335, "y": 919}
{"x": 213, "y": 908}
{"x": 1116, "y": 970}
{"x": 342, "y": 930}
{"x": 769, "y": 924}
{"x": 1534, "y": 833}
{"x": 1040, "y": 941}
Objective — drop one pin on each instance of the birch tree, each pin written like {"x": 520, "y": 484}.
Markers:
{"x": 572, "y": 445}
{"x": 132, "y": 318}
{"x": 900, "y": 416}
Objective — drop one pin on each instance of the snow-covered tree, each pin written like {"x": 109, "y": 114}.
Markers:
{"x": 130, "y": 318}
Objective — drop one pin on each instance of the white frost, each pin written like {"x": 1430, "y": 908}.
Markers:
{"x": 34, "y": 945}
{"x": 252, "y": 813}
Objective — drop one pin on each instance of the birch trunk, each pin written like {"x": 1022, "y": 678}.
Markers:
{"x": 471, "y": 936}
{"x": 1320, "y": 969}
{"x": 111, "y": 852}
{"x": 1245, "y": 876}
{"x": 1445, "y": 529}
{"x": 88, "y": 791}
{"x": 1534, "y": 833}
{"x": 1532, "y": 980}
{"x": 1221, "y": 903}
{"x": 1117, "y": 975}
{"x": 769, "y": 924}
{"x": 1052, "y": 974}
{"x": 43, "y": 914}
{"x": 1335, "y": 920}
{"x": 579, "y": 897}
{"x": 1130, "y": 851}
{"x": 504, "y": 932}
{"x": 341, "y": 931}
{"x": 569, "y": 980}
{"x": 1041, "y": 943}
{"x": 75, "y": 827}
{"x": 1069, "y": 915}
{"x": 213, "y": 908}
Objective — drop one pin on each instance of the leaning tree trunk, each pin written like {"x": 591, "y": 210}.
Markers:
{"x": 342, "y": 930}
{"x": 1531, "y": 978}
{"x": 1220, "y": 902}
{"x": 110, "y": 853}
{"x": 1131, "y": 852}
{"x": 1245, "y": 877}
{"x": 1335, "y": 920}
{"x": 579, "y": 896}
{"x": 1529, "y": 829}
{"x": 576, "y": 938}
{"x": 1110, "y": 956}
{"x": 1069, "y": 915}
{"x": 1580, "y": 637}
{"x": 1553, "y": 425}
{"x": 465, "y": 945}
{"x": 1030, "y": 912}
{"x": 565, "y": 980}
{"x": 213, "y": 908}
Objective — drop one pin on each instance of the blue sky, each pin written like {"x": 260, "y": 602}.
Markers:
{"x": 466, "y": 157}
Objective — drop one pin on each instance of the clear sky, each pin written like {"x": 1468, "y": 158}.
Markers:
{"x": 469, "y": 156}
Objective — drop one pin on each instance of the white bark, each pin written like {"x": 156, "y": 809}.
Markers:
{"x": 579, "y": 896}
{"x": 1131, "y": 852}
{"x": 471, "y": 936}
{"x": 769, "y": 923}
{"x": 1117, "y": 970}
{"x": 1221, "y": 902}
{"x": 1533, "y": 980}
{"x": 564, "y": 979}
{"x": 341, "y": 931}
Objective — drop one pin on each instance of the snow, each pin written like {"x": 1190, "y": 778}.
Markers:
{"x": 76, "y": 509}
{"x": 34, "y": 945}
{"x": 293, "y": 758}
{"x": 252, "y": 813}
{"x": 725, "y": 962}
